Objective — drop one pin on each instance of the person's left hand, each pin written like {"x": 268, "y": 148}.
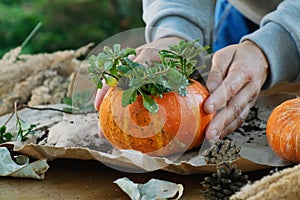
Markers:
{"x": 235, "y": 80}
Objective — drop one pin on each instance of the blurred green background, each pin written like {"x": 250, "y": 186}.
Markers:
{"x": 66, "y": 24}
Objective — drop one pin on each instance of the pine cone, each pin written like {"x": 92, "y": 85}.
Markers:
{"x": 225, "y": 182}
{"x": 221, "y": 150}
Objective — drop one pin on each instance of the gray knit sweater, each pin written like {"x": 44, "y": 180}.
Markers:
{"x": 278, "y": 35}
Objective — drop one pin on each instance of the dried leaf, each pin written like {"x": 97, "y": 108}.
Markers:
{"x": 8, "y": 167}
{"x": 152, "y": 190}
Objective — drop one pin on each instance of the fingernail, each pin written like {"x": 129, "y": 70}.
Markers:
{"x": 212, "y": 86}
{"x": 131, "y": 57}
{"x": 213, "y": 135}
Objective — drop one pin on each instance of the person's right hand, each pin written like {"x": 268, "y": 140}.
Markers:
{"x": 146, "y": 52}
{"x": 235, "y": 80}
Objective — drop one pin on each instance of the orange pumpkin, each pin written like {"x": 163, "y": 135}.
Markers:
{"x": 283, "y": 130}
{"x": 178, "y": 125}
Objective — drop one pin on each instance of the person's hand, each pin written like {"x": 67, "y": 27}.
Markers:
{"x": 149, "y": 51}
{"x": 145, "y": 53}
{"x": 98, "y": 99}
{"x": 235, "y": 80}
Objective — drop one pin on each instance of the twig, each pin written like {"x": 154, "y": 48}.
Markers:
{"x": 11, "y": 115}
{"x": 54, "y": 109}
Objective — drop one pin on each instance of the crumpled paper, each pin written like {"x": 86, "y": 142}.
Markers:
{"x": 21, "y": 168}
{"x": 75, "y": 137}
{"x": 154, "y": 189}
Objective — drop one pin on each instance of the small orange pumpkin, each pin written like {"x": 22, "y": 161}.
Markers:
{"x": 178, "y": 125}
{"x": 283, "y": 130}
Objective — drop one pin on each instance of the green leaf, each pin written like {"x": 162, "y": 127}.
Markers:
{"x": 132, "y": 64}
{"x": 110, "y": 81}
{"x": 167, "y": 53}
{"x": 99, "y": 83}
{"x": 116, "y": 47}
{"x": 108, "y": 65}
{"x": 123, "y": 68}
{"x": 129, "y": 51}
{"x": 2, "y": 129}
{"x": 182, "y": 91}
{"x": 107, "y": 50}
{"x": 114, "y": 72}
{"x": 208, "y": 49}
{"x": 67, "y": 101}
{"x": 24, "y": 125}
{"x": 8, "y": 136}
{"x": 92, "y": 59}
{"x": 129, "y": 96}
{"x": 176, "y": 80}
{"x": 150, "y": 104}
{"x": 24, "y": 129}
{"x": 101, "y": 60}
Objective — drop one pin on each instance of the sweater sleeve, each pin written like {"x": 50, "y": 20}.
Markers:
{"x": 279, "y": 38}
{"x": 187, "y": 19}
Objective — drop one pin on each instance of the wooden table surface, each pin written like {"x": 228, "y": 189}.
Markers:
{"x": 89, "y": 180}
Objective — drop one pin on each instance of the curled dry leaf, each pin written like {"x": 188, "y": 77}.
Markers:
{"x": 23, "y": 169}
{"x": 152, "y": 190}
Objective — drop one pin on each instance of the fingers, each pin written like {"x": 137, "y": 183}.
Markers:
{"x": 233, "y": 115}
{"x": 220, "y": 64}
{"x": 100, "y": 95}
{"x": 147, "y": 54}
{"x": 237, "y": 122}
{"x": 100, "y": 133}
{"x": 132, "y": 57}
{"x": 138, "y": 51}
{"x": 235, "y": 80}
{"x": 232, "y": 84}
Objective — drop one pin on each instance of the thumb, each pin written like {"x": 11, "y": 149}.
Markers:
{"x": 100, "y": 95}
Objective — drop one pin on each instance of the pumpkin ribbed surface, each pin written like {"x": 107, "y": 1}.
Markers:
{"x": 283, "y": 130}
{"x": 178, "y": 125}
